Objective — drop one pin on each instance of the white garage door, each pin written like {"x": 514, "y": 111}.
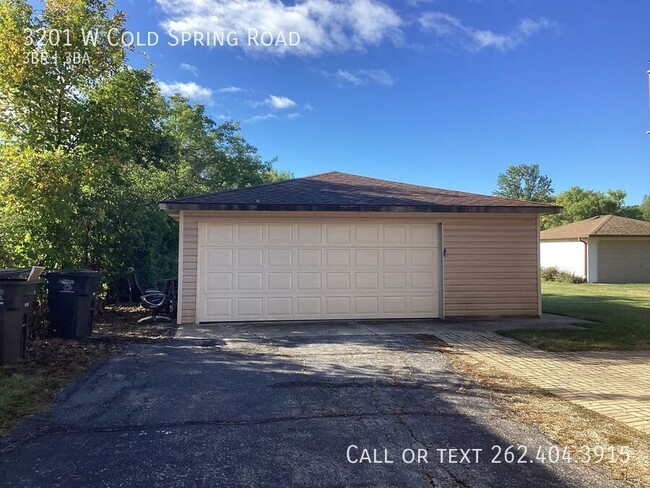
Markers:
{"x": 294, "y": 271}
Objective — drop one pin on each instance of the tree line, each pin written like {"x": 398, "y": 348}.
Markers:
{"x": 526, "y": 182}
{"x": 88, "y": 150}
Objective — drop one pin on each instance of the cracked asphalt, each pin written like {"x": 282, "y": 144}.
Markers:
{"x": 257, "y": 411}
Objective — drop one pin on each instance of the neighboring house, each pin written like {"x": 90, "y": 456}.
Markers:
{"x": 338, "y": 246}
{"x": 603, "y": 249}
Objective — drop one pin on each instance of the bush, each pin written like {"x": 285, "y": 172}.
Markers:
{"x": 555, "y": 274}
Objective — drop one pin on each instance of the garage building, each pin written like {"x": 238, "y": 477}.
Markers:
{"x": 603, "y": 249}
{"x": 340, "y": 246}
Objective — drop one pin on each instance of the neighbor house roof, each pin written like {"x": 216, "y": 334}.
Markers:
{"x": 601, "y": 226}
{"x": 336, "y": 191}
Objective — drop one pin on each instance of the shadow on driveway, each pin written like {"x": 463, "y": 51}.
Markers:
{"x": 277, "y": 412}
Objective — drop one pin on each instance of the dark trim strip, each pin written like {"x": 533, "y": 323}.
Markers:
{"x": 171, "y": 206}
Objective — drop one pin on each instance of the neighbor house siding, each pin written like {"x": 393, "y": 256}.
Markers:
{"x": 490, "y": 261}
{"x": 592, "y": 260}
{"x": 566, "y": 255}
{"x": 624, "y": 260}
{"x": 491, "y": 265}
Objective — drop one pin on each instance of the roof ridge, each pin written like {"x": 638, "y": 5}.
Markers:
{"x": 446, "y": 190}
{"x": 605, "y": 220}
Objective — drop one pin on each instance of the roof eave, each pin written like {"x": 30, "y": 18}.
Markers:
{"x": 170, "y": 206}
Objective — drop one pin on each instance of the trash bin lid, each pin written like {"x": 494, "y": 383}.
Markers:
{"x": 13, "y": 274}
{"x": 72, "y": 273}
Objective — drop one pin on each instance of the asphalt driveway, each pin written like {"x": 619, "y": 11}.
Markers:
{"x": 240, "y": 408}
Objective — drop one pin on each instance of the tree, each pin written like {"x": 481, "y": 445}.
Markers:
{"x": 42, "y": 89}
{"x": 579, "y": 204}
{"x": 645, "y": 207}
{"x": 524, "y": 182}
{"x": 213, "y": 157}
{"x": 87, "y": 151}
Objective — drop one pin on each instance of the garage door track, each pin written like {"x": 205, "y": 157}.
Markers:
{"x": 246, "y": 410}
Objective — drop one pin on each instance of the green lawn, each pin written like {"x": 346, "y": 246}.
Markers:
{"x": 621, "y": 314}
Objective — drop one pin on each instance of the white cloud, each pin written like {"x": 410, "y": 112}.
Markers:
{"x": 191, "y": 68}
{"x": 188, "y": 90}
{"x": 279, "y": 103}
{"x": 260, "y": 118}
{"x": 364, "y": 77}
{"x": 325, "y": 26}
{"x": 294, "y": 115}
{"x": 230, "y": 89}
{"x": 455, "y": 31}
{"x": 309, "y": 106}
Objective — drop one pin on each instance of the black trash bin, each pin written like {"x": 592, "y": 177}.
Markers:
{"x": 71, "y": 296}
{"x": 16, "y": 298}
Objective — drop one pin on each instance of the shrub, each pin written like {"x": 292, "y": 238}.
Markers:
{"x": 554, "y": 274}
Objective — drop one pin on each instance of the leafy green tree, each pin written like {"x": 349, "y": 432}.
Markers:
{"x": 42, "y": 89}
{"x": 631, "y": 212}
{"x": 645, "y": 207}
{"x": 88, "y": 150}
{"x": 213, "y": 157}
{"x": 524, "y": 182}
{"x": 579, "y": 204}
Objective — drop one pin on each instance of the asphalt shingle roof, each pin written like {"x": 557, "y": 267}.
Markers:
{"x": 337, "y": 191}
{"x": 600, "y": 226}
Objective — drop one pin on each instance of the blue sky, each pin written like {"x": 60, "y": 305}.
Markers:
{"x": 444, "y": 93}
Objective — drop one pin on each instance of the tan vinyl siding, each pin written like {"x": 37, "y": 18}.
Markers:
{"x": 189, "y": 258}
{"x": 491, "y": 267}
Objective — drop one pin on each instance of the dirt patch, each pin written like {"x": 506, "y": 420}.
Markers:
{"x": 50, "y": 364}
{"x": 565, "y": 423}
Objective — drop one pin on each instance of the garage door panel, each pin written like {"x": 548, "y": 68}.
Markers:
{"x": 251, "y": 233}
{"x": 338, "y": 257}
{"x": 309, "y": 234}
{"x": 395, "y": 281}
{"x": 250, "y": 258}
{"x": 366, "y": 281}
{"x": 337, "y": 305}
{"x": 308, "y": 306}
{"x": 281, "y": 281}
{"x": 280, "y": 307}
{"x": 219, "y": 258}
{"x": 219, "y": 281}
{"x": 249, "y": 282}
{"x": 249, "y": 306}
{"x": 421, "y": 281}
{"x": 394, "y": 305}
{"x": 309, "y": 281}
{"x": 219, "y": 307}
{"x": 280, "y": 233}
{"x": 283, "y": 271}
{"x": 422, "y": 234}
{"x": 337, "y": 234}
{"x": 309, "y": 258}
{"x": 395, "y": 234}
{"x": 367, "y": 234}
{"x": 280, "y": 258}
{"x": 337, "y": 281}
{"x": 220, "y": 233}
{"x": 395, "y": 258}
{"x": 366, "y": 258}
{"x": 366, "y": 306}
{"x": 422, "y": 305}
{"x": 422, "y": 257}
